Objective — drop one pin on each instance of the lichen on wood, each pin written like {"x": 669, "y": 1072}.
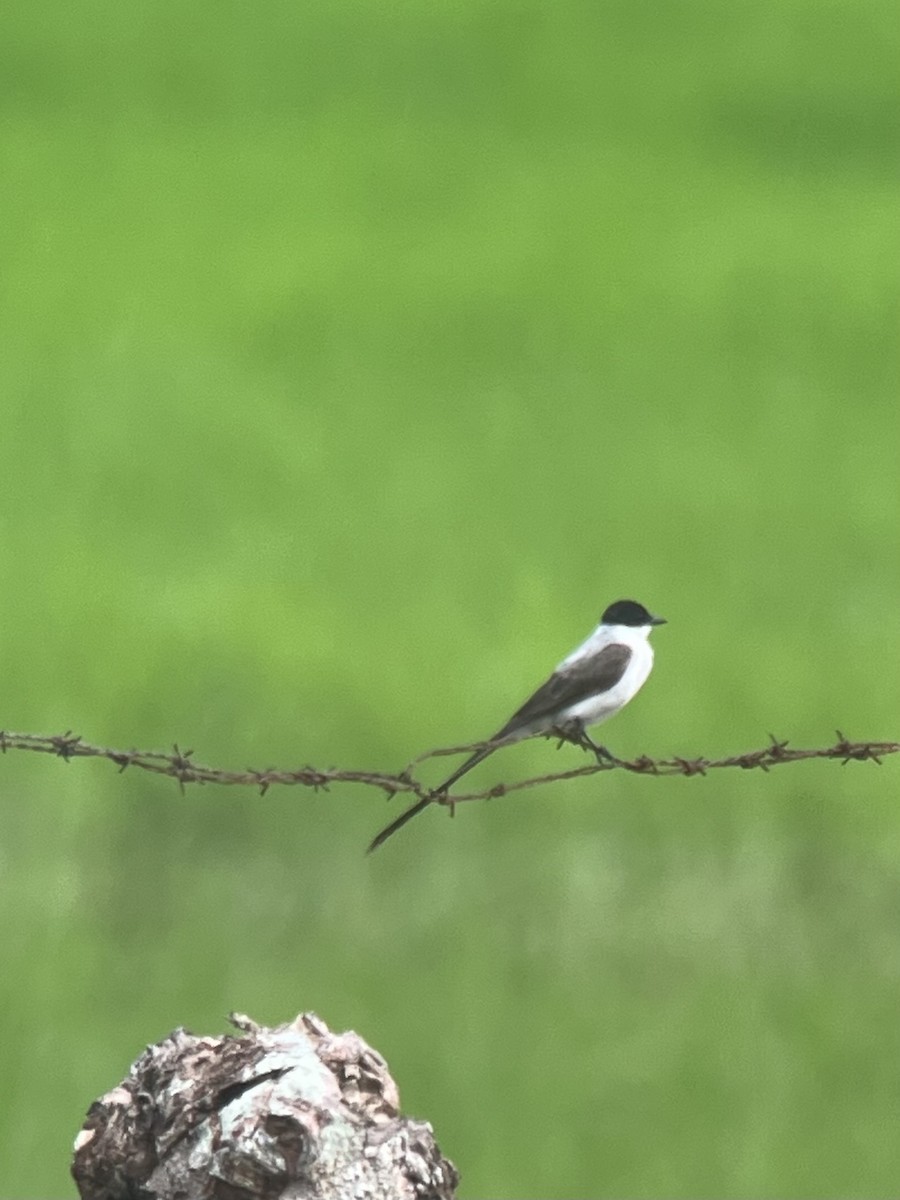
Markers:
{"x": 295, "y": 1112}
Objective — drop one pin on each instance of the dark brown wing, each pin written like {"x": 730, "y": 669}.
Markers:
{"x": 582, "y": 679}
{"x": 564, "y": 688}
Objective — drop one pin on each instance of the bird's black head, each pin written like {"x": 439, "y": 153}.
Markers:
{"x": 629, "y": 612}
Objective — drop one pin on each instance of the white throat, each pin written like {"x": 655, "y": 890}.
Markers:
{"x": 633, "y": 636}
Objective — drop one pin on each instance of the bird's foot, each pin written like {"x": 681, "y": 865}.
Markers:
{"x": 570, "y": 734}
{"x": 575, "y": 734}
{"x": 601, "y": 752}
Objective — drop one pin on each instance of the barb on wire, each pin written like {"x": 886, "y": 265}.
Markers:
{"x": 180, "y": 765}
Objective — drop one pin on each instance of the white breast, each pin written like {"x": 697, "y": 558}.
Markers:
{"x": 595, "y": 709}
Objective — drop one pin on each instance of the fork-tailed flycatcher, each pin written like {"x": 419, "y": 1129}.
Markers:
{"x": 588, "y": 687}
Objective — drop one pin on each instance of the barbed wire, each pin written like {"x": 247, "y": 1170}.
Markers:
{"x": 180, "y": 765}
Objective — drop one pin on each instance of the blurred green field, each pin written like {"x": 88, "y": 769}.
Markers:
{"x": 355, "y": 357}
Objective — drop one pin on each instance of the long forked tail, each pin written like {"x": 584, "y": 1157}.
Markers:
{"x": 473, "y": 761}
{"x": 390, "y": 830}
{"x": 420, "y": 805}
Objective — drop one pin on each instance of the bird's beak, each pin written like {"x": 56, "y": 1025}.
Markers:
{"x": 658, "y": 621}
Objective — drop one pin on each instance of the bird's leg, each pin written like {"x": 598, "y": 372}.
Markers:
{"x": 575, "y": 732}
{"x": 571, "y": 733}
{"x": 601, "y": 752}
{"x": 561, "y": 734}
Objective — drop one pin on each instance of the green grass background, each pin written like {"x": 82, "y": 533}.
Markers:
{"x": 355, "y": 356}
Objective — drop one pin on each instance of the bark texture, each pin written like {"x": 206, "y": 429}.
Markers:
{"x": 296, "y": 1112}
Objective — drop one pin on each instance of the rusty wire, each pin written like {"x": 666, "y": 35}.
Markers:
{"x": 180, "y": 765}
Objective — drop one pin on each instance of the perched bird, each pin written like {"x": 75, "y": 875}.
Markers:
{"x": 590, "y": 686}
